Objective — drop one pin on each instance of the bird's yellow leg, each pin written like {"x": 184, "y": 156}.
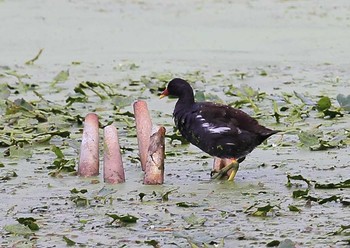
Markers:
{"x": 235, "y": 166}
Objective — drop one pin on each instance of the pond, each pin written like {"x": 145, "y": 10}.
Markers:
{"x": 286, "y": 63}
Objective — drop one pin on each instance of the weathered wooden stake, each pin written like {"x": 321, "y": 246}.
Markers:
{"x": 89, "y": 157}
{"x": 143, "y": 129}
{"x": 113, "y": 170}
{"x": 154, "y": 171}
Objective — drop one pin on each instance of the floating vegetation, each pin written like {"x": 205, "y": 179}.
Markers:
{"x": 123, "y": 219}
{"x": 304, "y": 193}
{"x": 40, "y": 138}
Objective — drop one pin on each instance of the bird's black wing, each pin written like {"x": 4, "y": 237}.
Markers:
{"x": 219, "y": 115}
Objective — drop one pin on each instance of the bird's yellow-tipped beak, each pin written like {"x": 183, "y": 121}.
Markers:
{"x": 164, "y": 94}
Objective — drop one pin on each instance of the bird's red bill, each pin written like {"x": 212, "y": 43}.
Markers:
{"x": 164, "y": 93}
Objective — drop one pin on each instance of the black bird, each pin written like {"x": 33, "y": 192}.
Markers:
{"x": 219, "y": 130}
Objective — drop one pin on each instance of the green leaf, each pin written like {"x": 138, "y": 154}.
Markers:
{"x": 142, "y": 195}
{"x": 58, "y": 152}
{"x": 308, "y": 138}
{"x": 61, "y": 77}
{"x": 304, "y": 99}
{"x": 332, "y": 113}
{"x": 30, "y": 222}
{"x": 18, "y": 229}
{"x": 96, "y": 88}
{"x": 126, "y": 219}
{"x": 273, "y": 243}
{"x": 293, "y": 208}
{"x": 187, "y": 204}
{"x": 20, "y": 152}
{"x": 152, "y": 242}
{"x": 248, "y": 91}
{"x": 323, "y": 104}
{"x": 7, "y": 175}
{"x": 80, "y": 201}
{"x": 329, "y": 199}
{"x": 193, "y": 245}
{"x": 311, "y": 198}
{"x": 75, "y": 191}
{"x": 341, "y": 229}
{"x": 341, "y": 185}
{"x": 276, "y": 112}
{"x": 4, "y": 91}
{"x": 72, "y": 99}
{"x": 298, "y": 178}
{"x": 126, "y": 66}
{"x": 176, "y": 136}
{"x": 19, "y": 105}
{"x": 165, "y": 196}
{"x": 344, "y": 101}
{"x": 262, "y": 211}
{"x": 193, "y": 220}
{"x": 69, "y": 242}
{"x": 61, "y": 164}
{"x": 263, "y": 73}
{"x": 287, "y": 243}
{"x": 31, "y": 61}
{"x": 123, "y": 101}
{"x": 300, "y": 193}
{"x": 323, "y": 145}
{"x": 22, "y": 106}
{"x": 199, "y": 96}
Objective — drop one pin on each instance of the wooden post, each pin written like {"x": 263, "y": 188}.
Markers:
{"x": 113, "y": 170}
{"x": 154, "y": 171}
{"x": 143, "y": 129}
{"x": 89, "y": 153}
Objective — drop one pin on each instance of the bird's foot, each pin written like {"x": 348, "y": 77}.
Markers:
{"x": 234, "y": 165}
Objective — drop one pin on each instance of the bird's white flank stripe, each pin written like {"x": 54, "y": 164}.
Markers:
{"x": 219, "y": 129}
{"x": 211, "y": 128}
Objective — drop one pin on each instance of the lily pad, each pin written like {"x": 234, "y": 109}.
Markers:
{"x": 304, "y": 99}
{"x": 194, "y": 220}
{"x": 18, "y": 229}
{"x": 344, "y": 101}
{"x": 308, "y": 138}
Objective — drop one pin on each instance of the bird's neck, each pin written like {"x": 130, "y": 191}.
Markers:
{"x": 183, "y": 104}
{"x": 187, "y": 99}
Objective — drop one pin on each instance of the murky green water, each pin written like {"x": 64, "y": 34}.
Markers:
{"x": 275, "y": 47}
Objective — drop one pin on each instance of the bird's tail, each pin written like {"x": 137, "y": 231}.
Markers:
{"x": 264, "y": 134}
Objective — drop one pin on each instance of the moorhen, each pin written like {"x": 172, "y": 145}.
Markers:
{"x": 219, "y": 130}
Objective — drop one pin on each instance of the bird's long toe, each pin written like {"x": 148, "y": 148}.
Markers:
{"x": 234, "y": 165}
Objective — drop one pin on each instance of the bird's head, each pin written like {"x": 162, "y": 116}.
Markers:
{"x": 177, "y": 87}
